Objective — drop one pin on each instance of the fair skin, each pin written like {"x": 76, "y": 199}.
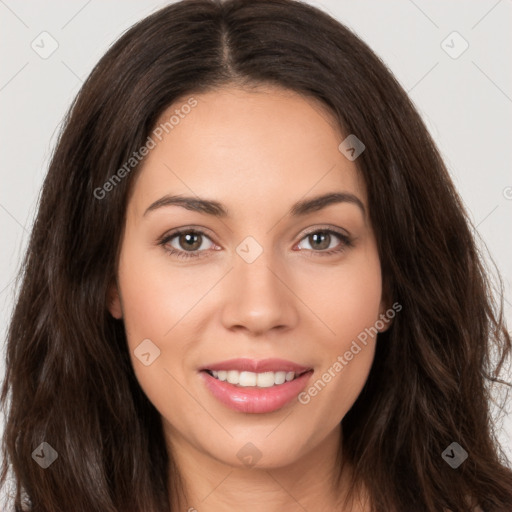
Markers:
{"x": 257, "y": 152}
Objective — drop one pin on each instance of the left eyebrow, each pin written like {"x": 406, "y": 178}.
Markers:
{"x": 318, "y": 202}
{"x": 211, "y": 207}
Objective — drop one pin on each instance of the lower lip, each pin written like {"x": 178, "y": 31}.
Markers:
{"x": 253, "y": 399}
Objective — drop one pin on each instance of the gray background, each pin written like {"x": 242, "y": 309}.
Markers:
{"x": 465, "y": 102}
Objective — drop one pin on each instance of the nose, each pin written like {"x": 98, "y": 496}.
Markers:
{"x": 259, "y": 297}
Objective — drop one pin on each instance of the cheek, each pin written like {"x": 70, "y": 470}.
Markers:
{"x": 156, "y": 307}
{"x": 347, "y": 298}
{"x": 348, "y": 302}
{"x": 155, "y": 299}
{"x": 165, "y": 304}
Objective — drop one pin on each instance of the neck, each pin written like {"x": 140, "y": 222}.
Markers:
{"x": 307, "y": 484}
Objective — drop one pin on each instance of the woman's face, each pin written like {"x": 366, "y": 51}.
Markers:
{"x": 278, "y": 278}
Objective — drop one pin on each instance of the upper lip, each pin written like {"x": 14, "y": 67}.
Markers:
{"x": 257, "y": 366}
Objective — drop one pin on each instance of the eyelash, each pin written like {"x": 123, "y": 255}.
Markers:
{"x": 165, "y": 239}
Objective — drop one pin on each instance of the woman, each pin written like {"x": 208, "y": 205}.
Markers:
{"x": 251, "y": 285}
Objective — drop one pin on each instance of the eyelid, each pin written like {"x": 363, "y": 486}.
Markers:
{"x": 173, "y": 233}
{"x": 186, "y": 229}
{"x": 345, "y": 237}
{"x": 326, "y": 227}
{"x": 206, "y": 231}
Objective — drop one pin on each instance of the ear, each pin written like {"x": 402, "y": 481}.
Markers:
{"x": 386, "y": 312}
{"x": 385, "y": 320}
{"x": 114, "y": 301}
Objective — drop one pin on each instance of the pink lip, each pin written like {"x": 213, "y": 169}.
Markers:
{"x": 251, "y": 365}
{"x": 252, "y": 399}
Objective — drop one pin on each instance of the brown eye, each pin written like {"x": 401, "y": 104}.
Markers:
{"x": 186, "y": 243}
{"x": 190, "y": 241}
{"x": 320, "y": 240}
{"x": 323, "y": 242}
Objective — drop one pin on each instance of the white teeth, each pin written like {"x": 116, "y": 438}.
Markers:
{"x": 280, "y": 377}
{"x": 269, "y": 379}
{"x": 247, "y": 379}
{"x": 260, "y": 380}
{"x": 233, "y": 376}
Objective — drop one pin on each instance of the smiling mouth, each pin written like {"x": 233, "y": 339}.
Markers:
{"x": 257, "y": 380}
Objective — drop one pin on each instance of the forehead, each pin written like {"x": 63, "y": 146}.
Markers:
{"x": 247, "y": 148}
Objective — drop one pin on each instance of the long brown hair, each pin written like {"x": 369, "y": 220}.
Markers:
{"x": 68, "y": 371}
